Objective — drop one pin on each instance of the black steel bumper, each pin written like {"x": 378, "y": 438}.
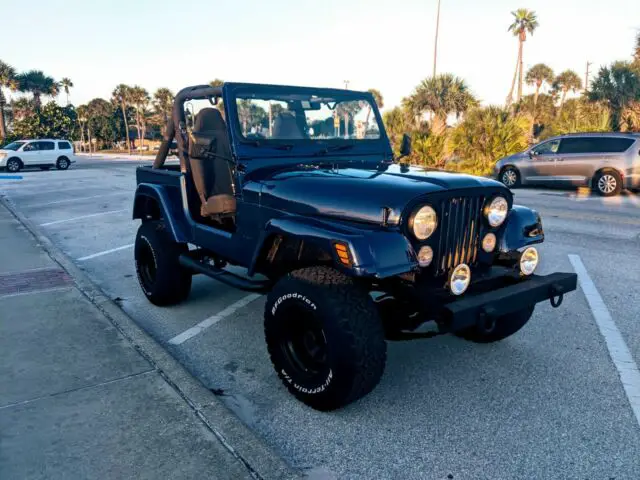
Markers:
{"x": 479, "y": 309}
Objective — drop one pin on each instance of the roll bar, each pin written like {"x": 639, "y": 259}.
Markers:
{"x": 176, "y": 126}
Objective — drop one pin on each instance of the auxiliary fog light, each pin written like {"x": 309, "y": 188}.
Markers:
{"x": 529, "y": 260}
{"x": 425, "y": 256}
{"x": 460, "y": 279}
{"x": 489, "y": 242}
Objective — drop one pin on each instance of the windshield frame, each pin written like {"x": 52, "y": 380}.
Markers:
{"x": 21, "y": 143}
{"x": 285, "y": 147}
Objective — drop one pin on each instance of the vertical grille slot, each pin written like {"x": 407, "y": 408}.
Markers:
{"x": 459, "y": 232}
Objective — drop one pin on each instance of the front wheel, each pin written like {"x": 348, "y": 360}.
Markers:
{"x": 324, "y": 337}
{"x": 504, "y": 327}
{"x": 162, "y": 279}
{"x": 13, "y": 165}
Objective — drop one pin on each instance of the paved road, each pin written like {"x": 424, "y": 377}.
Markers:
{"x": 546, "y": 403}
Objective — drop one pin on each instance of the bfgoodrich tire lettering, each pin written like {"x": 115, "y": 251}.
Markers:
{"x": 324, "y": 337}
{"x": 162, "y": 279}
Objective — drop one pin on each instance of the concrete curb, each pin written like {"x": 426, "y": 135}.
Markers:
{"x": 261, "y": 461}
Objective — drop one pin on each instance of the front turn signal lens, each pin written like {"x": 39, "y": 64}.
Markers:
{"x": 529, "y": 260}
{"x": 343, "y": 254}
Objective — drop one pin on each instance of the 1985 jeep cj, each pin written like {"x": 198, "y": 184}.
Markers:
{"x": 300, "y": 187}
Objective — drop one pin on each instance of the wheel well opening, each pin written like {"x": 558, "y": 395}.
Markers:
{"x": 16, "y": 158}
{"x": 282, "y": 254}
{"x": 146, "y": 208}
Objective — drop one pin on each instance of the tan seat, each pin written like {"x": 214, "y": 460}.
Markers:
{"x": 211, "y": 164}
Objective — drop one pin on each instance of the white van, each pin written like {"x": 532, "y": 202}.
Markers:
{"x": 44, "y": 153}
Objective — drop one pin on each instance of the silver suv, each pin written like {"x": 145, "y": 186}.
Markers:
{"x": 606, "y": 162}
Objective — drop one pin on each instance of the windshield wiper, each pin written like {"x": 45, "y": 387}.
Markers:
{"x": 334, "y": 148}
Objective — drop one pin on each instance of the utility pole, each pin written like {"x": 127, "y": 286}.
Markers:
{"x": 346, "y": 84}
{"x": 435, "y": 48}
{"x": 586, "y": 78}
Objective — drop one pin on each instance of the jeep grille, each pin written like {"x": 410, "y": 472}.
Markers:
{"x": 460, "y": 223}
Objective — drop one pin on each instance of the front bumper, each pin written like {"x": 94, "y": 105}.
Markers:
{"x": 474, "y": 309}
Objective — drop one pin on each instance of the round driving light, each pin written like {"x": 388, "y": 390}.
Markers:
{"x": 460, "y": 279}
{"x": 496, "y": 211}
{"x": 424, "y": 222}
{"x": 425, "y": 255}
{"x": 489, "y": 242}
{"x": 529, "y": 260}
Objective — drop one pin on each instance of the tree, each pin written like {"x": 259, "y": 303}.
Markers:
{"x": 163, "y": 105}
{"x": 630, "y": 117}
{"x": 442, "y": 95}
{"x": 216, "y": 82}
{"x": 38, "y": 84}
{"x": 567, "y": 80}
{"x": 139, "y": 98}
{"x": 636, "y": 52}
{"x": 120, "y": 97}
{"x": 618, "y": 86}
{"x": 537, "y": 76}
{"x": 524, "y": 21}
{"x": 100, "y": 122}
{"x": 7, "y": 80}
{"x": 580, "y": 115}
{"x": 66, "y": 84}
{"x": 543, "y": 112}
{"x": 51, "y": 121}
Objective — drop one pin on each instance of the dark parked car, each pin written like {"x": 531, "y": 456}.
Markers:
{"x": 301, "y": 188}
{"x": 606, "y": 162}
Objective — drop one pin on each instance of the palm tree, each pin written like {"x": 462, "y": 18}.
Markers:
{"x": 163, "y": 105}
{"x": 524, "y": 21}
{"x": 66, "y": 84}
{"x": 120, "y": 97}
{"x": 442, "y": 95}
{"x": 83, "y": 119}
{"x": 7, "y": 80}
{"x": 139, "y": 99}
{"x": 216, "y": 82}
{"x": 618, "y": 86}
{"x": 38, "y": 84}
{"x": 377, "y": 97}
{"x": 567, "y": 80}
{"x": 636, "y": 52}
{"x": 537, "y": 76}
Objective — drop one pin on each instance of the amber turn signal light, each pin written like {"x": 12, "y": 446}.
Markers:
{"x": 343, "y": 253}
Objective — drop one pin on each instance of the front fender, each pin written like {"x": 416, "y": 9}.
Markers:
{"x": 523, "y": 227}
{"x": 169, "y": 209}
{"x": 375, "y": 253}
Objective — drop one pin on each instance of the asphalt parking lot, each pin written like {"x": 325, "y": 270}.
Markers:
{"x": 548, "y": 402}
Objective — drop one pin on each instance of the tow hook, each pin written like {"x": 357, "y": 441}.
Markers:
{"x": 486, "y": 320}
{"x": 556, "y": 295}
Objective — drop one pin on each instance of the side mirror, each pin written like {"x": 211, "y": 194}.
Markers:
{"x": 530, "y": 153}
{"x": 405, "y": 146}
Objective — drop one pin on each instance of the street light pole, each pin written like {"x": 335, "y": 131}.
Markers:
{"x": 346, "y": 84}
{"x": 435, "y": 48}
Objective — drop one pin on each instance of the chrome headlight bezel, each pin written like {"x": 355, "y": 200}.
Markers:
{"x": 418, "y": 217}
{"x": 496, "y": 210}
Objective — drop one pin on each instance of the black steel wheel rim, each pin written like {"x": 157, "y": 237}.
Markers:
{"x": 302, "y": 341}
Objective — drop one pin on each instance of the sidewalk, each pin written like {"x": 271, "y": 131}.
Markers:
{"x": 79, "y": 400}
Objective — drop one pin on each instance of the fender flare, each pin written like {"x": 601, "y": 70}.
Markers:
{"x": 375, "y": 253}
{"x": 173, "y": 217}
{"x": 523, "y": 227}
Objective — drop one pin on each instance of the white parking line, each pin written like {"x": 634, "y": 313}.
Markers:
{"x": 202, "y": 326}
{"x": 79, "y": 199}
{"x": 19, "y": 195}
{"x": 618, "y": 350}
{"x": 83, "y": 216}
{"x": 106, "y": 252}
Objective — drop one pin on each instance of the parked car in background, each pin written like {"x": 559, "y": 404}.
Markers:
{"x": 44, "y": 153}
{"x": 606, "y": 162}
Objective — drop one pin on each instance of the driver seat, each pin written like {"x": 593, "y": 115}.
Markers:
{"x": 210, "y": 161}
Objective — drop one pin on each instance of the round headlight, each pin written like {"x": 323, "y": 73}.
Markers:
{"x": 425, "y": 256}
{"x": 496, "y": 211}
{"x": 529, "y": 260}
{"x": 460, "y": 279}
{"x": 489, "y": 242}
{"x": 424, "y": 222}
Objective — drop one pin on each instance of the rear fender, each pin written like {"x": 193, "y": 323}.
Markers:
{"x": 156, "y": 202}
{"x": 523, "y": 227}
{"x": 375, "y": 253}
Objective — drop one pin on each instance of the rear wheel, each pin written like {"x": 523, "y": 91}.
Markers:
{"x": 608, "y": 183}
{"x": 14, "y": 165}
{"x": 510, "y": 177}
{"x": 324, "y": 337}
{"x": 63, "y": 163}
{"x": 162, "y": 279}
{"x": 504, "y": 327}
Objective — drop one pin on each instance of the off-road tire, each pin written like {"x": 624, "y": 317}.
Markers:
{"x": 506, "y": 326}
{"x": 355, "y": 349}
{"x": 602, "y": 183}
{"x": 13, "y": 165}
{"x": 162, "y": 279}
{"x": 63, "y": 163}
{"x": 511, "y": 181}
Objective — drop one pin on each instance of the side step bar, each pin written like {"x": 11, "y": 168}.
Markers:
{"x": 224, "y": 276}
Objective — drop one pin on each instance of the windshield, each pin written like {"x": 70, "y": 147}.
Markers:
{"x": 14, "y": 146}
{"x": 303, "y": 116}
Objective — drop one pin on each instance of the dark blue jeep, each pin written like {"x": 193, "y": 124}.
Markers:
{"x": 300, "y": 188}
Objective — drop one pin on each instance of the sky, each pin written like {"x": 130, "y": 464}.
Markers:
{"x": 387, "y": 45}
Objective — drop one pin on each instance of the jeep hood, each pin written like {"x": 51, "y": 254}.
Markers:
{"x": 359, "y": 194}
